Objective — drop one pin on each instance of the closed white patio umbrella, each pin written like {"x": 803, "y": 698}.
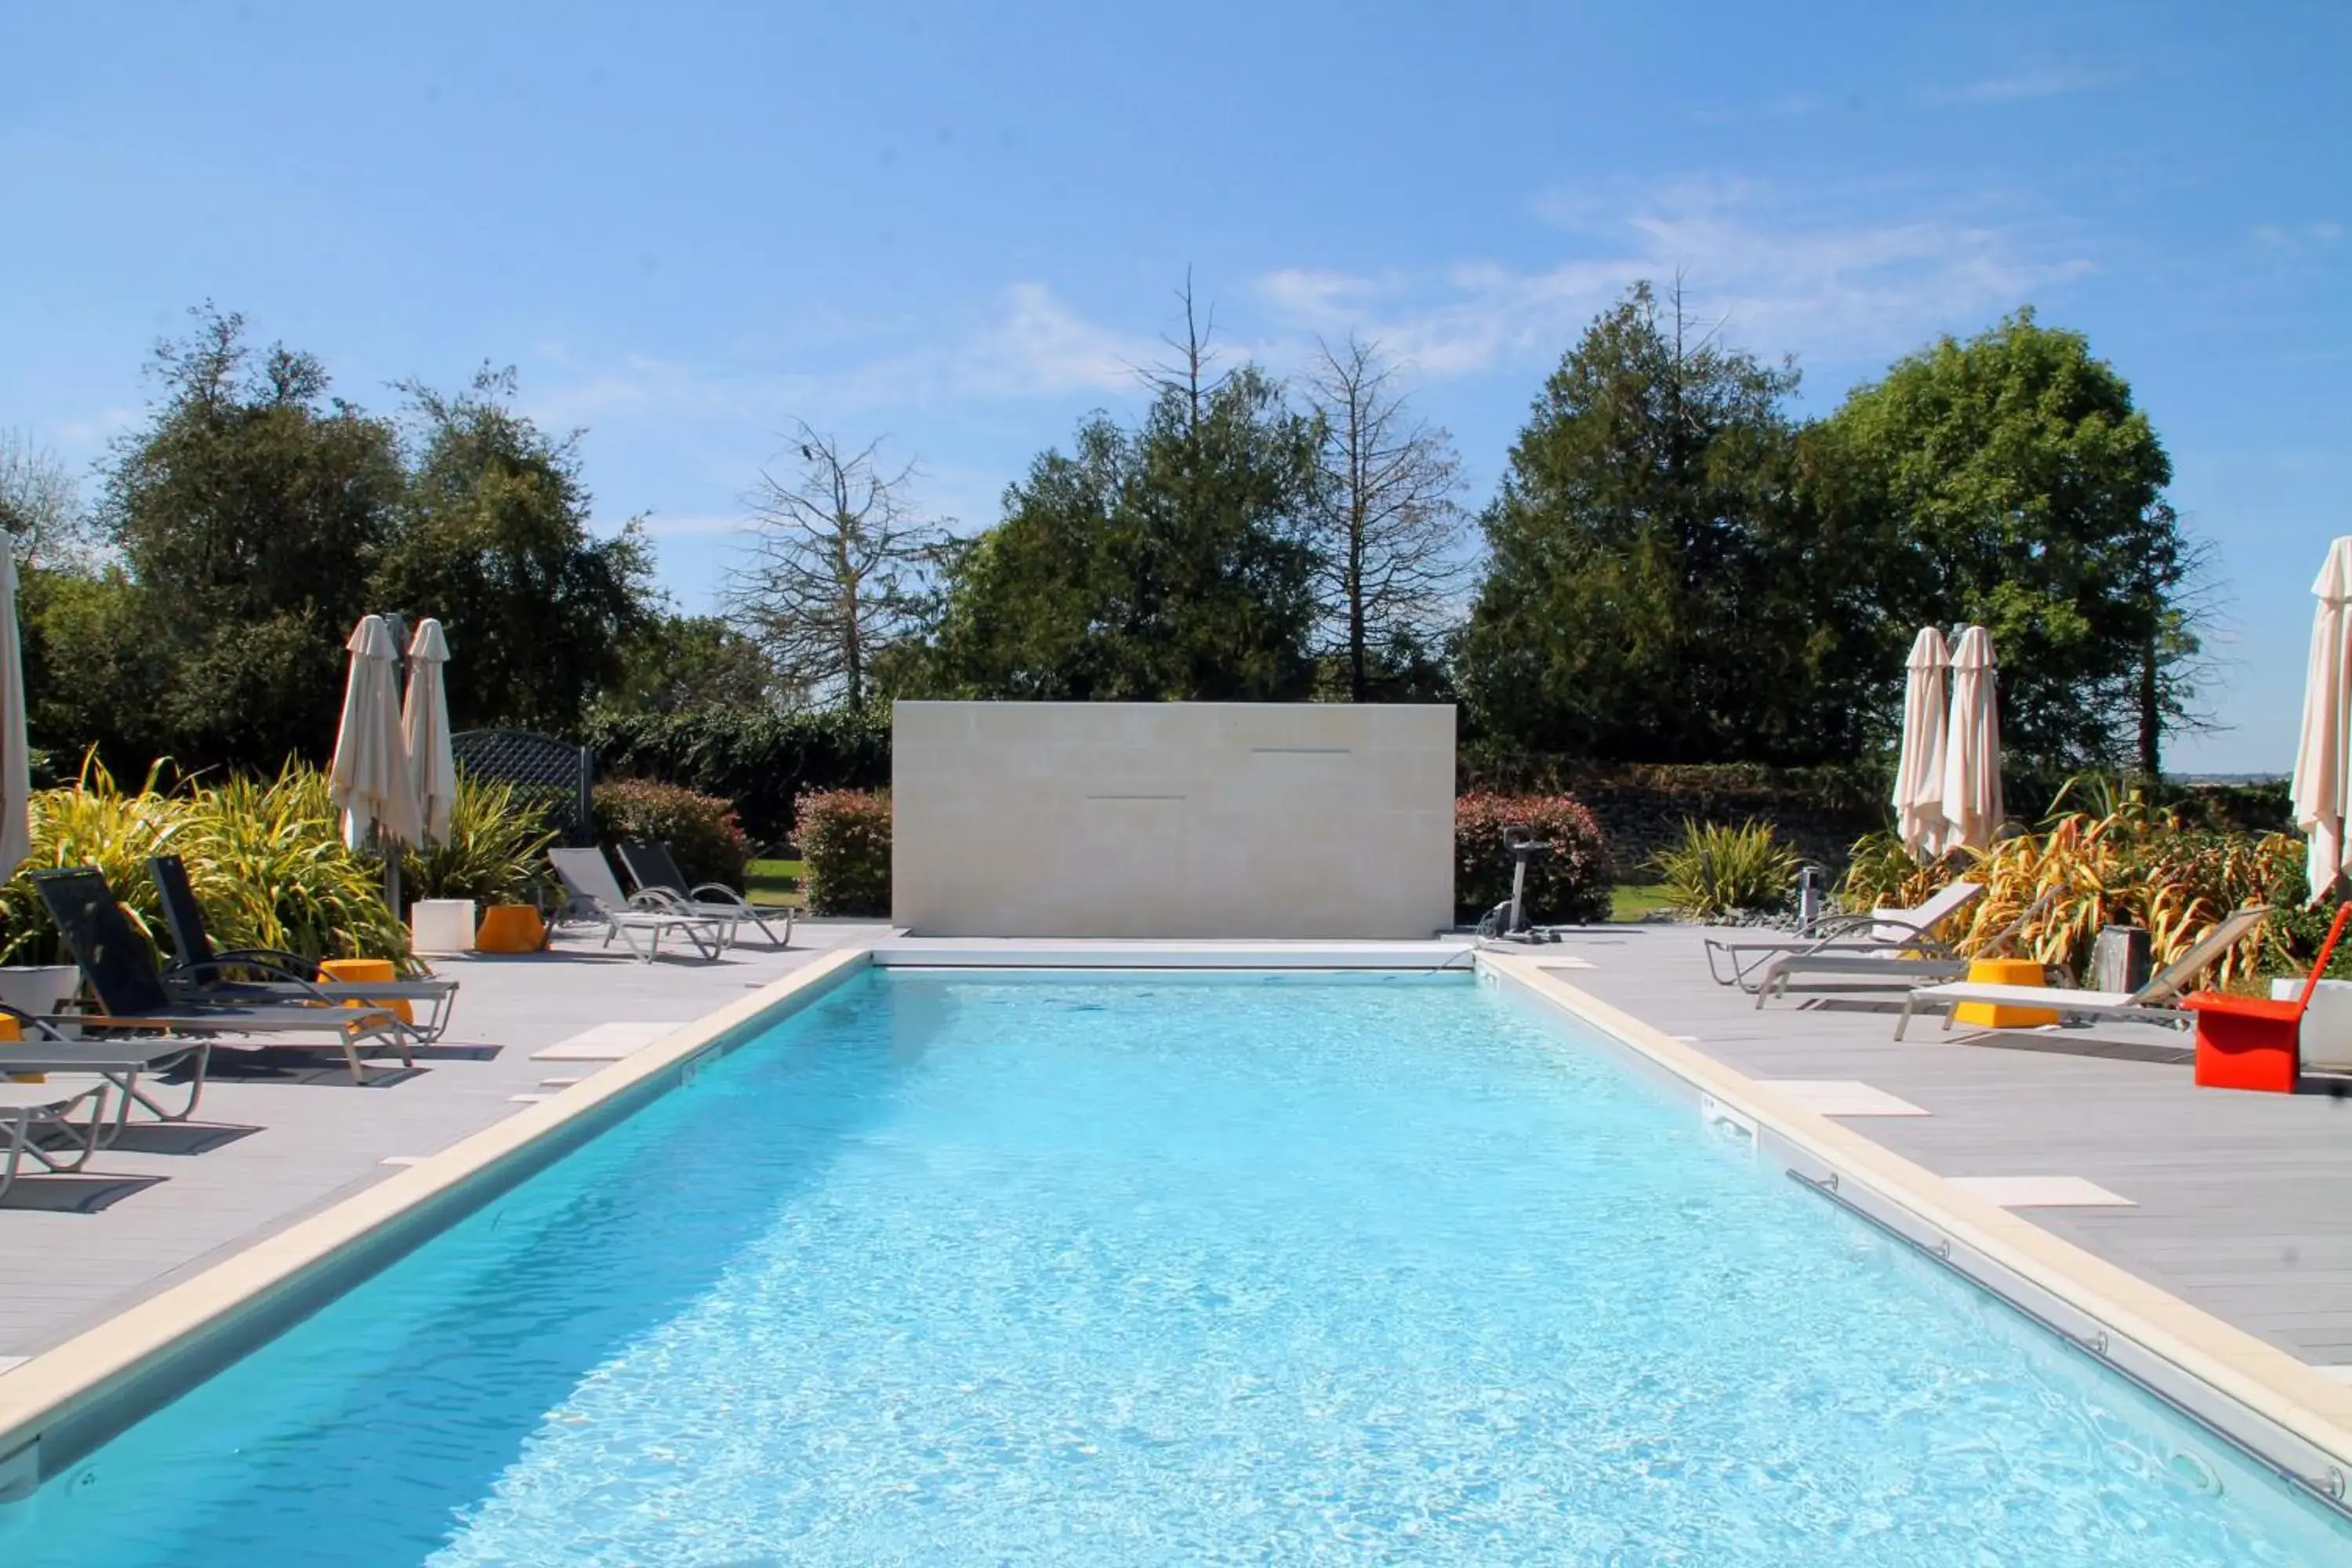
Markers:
{"x": 425, "y": 732}
{"x": 2323, "y": 769}
{"x": 370, "y": 780}
{"x": 1972, "y": 803}
{"x": 1919, "y": 768}
{"x": 16, "y": 776}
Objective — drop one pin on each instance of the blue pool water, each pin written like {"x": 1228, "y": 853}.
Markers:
{"x": 973, "y": 1269}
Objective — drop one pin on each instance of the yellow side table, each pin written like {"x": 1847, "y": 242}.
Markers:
{"x": 1997, "y": 1016}
{"x": 359, "y": 971}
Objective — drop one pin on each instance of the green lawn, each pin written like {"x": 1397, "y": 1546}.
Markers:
{"x": 772, "y": 878}
{"x": 1632, "y": 900}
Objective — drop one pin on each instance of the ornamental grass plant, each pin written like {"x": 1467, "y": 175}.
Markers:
{"x": 1718, "y": 870}
{"x": 2121, "y": 860}
{"x": 266, "y": 860}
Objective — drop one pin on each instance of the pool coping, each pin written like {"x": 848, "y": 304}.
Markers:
{"x": 2291, "y": 1418}
{"x": 59, "y": 1405}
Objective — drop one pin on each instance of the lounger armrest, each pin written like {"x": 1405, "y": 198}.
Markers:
{"x": 659, "y": 900}
{"x": 717, "y": 892}
{"x": 43, "y": 1028}
{"x": 270, "y": 960}
{"x": 307, "y": 986}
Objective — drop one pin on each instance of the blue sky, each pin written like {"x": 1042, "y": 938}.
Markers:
{"x": 688, "y": 224}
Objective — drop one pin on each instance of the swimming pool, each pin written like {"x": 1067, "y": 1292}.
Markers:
{"x": 958, "y": 1268}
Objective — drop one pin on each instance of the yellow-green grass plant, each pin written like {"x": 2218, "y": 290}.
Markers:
{"x": 495, "y": 851}
{"x": 2134, "y": 864}
{"x": 1717, "y": 868}
{"x": 265, "y": 859}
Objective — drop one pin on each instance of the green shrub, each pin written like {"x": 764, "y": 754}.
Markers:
{"x": 267, "y": 861}
{"x": 700, "y": 829}
{"x": 495, "y": 852}
{"x": 762, "y": 763}
{"x": 1717, "y": 870}
{"x": 845, "y": 852}
{"x": 1569, "y": 885}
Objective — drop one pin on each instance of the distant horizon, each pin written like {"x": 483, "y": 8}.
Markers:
{"x": 962, "y": 233}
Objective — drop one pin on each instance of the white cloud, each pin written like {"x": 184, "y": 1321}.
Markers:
{"x": 1782, "y": 277}
{"x": 1044, "y": 348}
{"x": 2042, "y": 81}
{"x": 2297, "y": 237}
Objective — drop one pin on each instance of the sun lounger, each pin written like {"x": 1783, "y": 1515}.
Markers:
{"x": 654, "y": 871}
{"x": 2157, "y": 1001}
{"x": 1926, "y": 960}
{"x": 596, "y": 894}
{"x": 1881, "y": 930}
{"x": 122, "y": 1060}
{"x": 203, "y": 974}
{"x": 36, "y": 1124}
{"x": 121, "y": 972}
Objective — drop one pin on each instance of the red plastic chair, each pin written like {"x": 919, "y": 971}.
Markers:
{"x": 2256, "y": 1042}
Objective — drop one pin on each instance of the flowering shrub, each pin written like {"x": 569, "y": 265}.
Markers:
{"x": 1566, "y": 887}
{"x": 845, "y": 852}
{"x": 700, "y": 829}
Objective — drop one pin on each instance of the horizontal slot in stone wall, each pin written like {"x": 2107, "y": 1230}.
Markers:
{"x": 1179, "y": 819}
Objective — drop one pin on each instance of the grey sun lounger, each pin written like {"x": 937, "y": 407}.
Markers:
{"x": 122, "y": 1059}
{"x": 1879, "y": 932}
{"x": 654, "y": 871}
{"x": 595, "y": 894}
{"x": 202, "y": 974}
{"x": 121, "y": 972}
{"x": 1926, "y": 960}
{"x": 2157, "y": 1001}
{"x": 37, "y": 1122}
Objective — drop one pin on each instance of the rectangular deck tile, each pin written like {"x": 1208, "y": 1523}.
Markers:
{"x": 2040, "y": 1191}
{"x": 1840, "y": 1097}
{"x": 604, "y": 1043}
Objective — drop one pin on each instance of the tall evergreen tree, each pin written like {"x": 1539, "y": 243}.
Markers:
{"x": 1644, "y": 599}
{"x": 1166, "y": 561}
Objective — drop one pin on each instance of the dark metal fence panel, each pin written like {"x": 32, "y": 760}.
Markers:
{"x": 557, "y": 775}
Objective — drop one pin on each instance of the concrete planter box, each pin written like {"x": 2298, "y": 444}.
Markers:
{"x": 2327, "y": 1027}
{"x": 41, "y": 989}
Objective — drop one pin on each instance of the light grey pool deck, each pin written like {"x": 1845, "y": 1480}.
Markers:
{"x": 2241, "y": 1203}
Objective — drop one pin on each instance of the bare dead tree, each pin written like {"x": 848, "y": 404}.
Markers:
{"x": 835, "y": 572}
{"x": 1391, "y": 565}
{"x": 38, "y": 505}
{"x": 1189, "y": 373}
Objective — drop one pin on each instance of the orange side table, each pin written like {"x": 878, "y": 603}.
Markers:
{"x": 509, "y": 928}
{"x": 2247, "y": 1042}
{"x": 2256, "y": 1042}
{"x": 359, "y": 971}
{"x": 2000, "y": 1015}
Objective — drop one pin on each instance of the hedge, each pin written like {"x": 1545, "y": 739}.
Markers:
{"x": 700, "y": 829}
{"x": 1567, "y": 885}
{"x": 845, "y": 852}
{"x": 762, "y": 763}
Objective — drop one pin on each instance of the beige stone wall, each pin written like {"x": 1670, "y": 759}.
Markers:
{"x": 1196, "y": 819}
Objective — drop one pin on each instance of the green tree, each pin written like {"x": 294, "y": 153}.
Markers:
{"x": 248, "y": 515}
{"x": 2011, "y": 481}
{"x": 495, "y": 540}
{"x": 676, "y": 663}
{"x": 1170, "y": 562}
{"x": 1655, "y": 589}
